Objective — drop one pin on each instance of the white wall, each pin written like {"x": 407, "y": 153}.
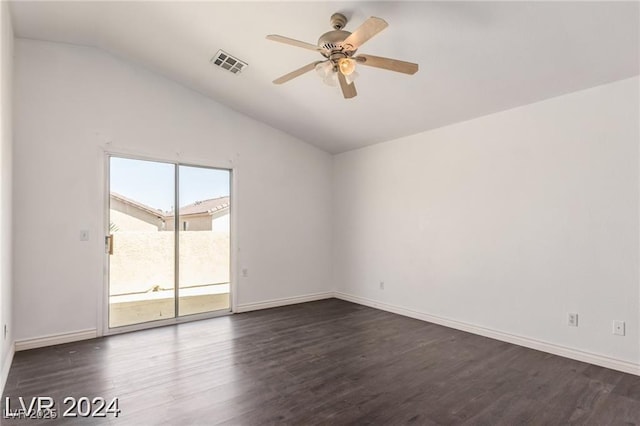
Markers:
{"x": 506, "y": 222}
{"x": 72, "y": 103}
{"x": 6, "y": 145}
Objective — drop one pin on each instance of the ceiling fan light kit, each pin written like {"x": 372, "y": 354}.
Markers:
{"x": 346, "y": 66}
{"x": 325, "y": 71}
{"x": 338, "y": 48}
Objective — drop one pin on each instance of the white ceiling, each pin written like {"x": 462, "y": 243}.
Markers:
{"x": 475, "y": 57}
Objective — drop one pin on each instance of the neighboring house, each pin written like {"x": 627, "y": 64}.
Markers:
{"x": 206, "y": 215}
{"x": 130, "y": 215}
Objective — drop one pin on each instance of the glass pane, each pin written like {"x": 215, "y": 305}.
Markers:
{"x": 141, "y": 268}
{"x": 204, "y": 231}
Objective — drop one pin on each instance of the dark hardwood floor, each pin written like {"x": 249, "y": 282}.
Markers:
{"x": 326, "y": 362}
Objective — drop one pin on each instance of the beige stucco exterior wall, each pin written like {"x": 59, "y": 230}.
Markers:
{"x": 218, "y": 221}
{"x": 143, "y": 260}
{"x": 130, "y": 218}
{"x": 125, "y": 222}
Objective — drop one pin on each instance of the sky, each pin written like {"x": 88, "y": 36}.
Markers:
{"x": 152, "y": 183}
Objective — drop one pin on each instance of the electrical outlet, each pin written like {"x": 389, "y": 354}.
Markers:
{"x": 572, "y": 319}
{"x": 5, "y": 331}
{"x": 618, "y": 328}
{"x": 245, "y": 272}
{"x": 381, "y": 285}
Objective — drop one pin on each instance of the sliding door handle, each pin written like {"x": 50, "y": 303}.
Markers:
{"x": 108, "y": 244}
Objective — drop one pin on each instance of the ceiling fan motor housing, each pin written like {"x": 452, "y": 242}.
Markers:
{"x": 332, "y": 43}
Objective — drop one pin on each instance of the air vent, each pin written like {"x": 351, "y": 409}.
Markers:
{"x": 228, "y": 62}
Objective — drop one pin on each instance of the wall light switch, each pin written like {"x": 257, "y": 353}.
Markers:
{"x": 84, "y": 235}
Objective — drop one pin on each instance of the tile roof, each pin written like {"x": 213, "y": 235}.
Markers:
{"x": 209, "y": 206}
{"x": 157, "y": 212}
{"x": 205, "y": 206}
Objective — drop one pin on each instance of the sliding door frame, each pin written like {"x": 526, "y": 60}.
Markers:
{"x": 103, "y": 328}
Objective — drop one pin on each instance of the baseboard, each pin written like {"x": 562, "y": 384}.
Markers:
{"x": 552, "y": 348}
{"x": 55, "y": 339}
{"x": 274, "y": 303}
{"x": 6, "y": 366}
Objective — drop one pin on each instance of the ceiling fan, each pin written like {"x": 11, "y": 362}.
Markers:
{"x": 339, "y": 47}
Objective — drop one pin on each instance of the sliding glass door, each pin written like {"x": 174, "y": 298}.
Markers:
{"x": 167, "y": 262}
{"x": 204, "y": 243}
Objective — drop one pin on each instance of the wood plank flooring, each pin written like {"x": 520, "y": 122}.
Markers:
{"x": 326, "y": 362}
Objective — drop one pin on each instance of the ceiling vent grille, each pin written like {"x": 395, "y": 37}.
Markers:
{"x": 228, "y": 62}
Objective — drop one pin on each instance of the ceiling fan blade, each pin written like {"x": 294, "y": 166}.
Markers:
{"x": 364, "y": 32}
{"x": 293, "y": 42}
{"x": 348, "y": 90}
{"x": 387, "y": 64}
{"x": 296, "y": 73}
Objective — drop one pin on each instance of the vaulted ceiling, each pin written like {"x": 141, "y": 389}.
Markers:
{"x": 475, "y": 58}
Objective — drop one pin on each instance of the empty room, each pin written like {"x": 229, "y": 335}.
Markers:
{"x": 366, "y": 212}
